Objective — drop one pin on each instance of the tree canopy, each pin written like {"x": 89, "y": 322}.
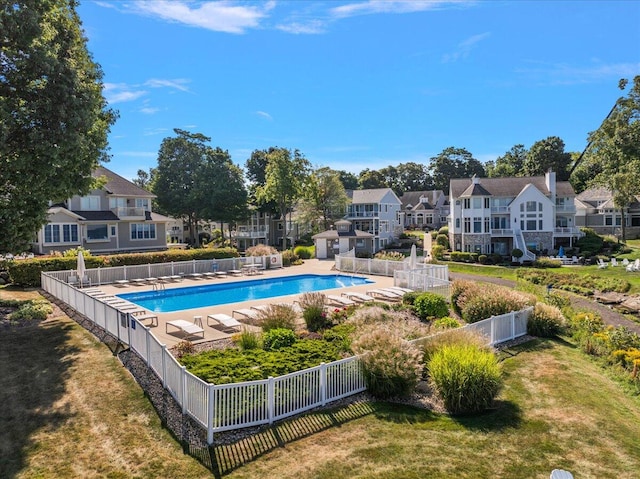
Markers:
{"x": 285, "y": 176}
{"x": 508, "y": 165}
{"x": 54, "y": 120}
{"x": 324, "y": 199}
{"x": 615, "y": 148}
{"x": 453, "y": 163}
{"x": 545, "y": 155}
{"x": 197, "y": 182}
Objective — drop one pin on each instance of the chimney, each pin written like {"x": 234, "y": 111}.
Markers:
{"x": 550, "y": 181}
{"x": 475, "y": 180}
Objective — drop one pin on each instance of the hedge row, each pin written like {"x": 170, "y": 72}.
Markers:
{"x": 27, "y": 272}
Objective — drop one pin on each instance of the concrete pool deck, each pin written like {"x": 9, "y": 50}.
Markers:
{"x": 211, "y": 333}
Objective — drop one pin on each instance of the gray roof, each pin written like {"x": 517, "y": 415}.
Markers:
{"x": 509, "y": 187}
{"x": 413, "y": 198}
{"x": 375, "y": 195}
{"x": 475, "y": 189}
{"x": 602, "y": 198}
{"x": 333, "y": 234}
{"x": 97, "y": 215}
{"x": 119, "y": 186}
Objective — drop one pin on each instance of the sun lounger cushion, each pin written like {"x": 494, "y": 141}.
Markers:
{"x": 224, "y": 320}
{"x": 186, "y": 327}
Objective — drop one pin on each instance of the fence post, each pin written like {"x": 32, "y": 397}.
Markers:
{"x": 210, "y": 417}
{"x": 183, "y": 388}
{"x": 323, "y": 383}
{"x": 271, "y": 400}
{"x": 513, "y": 324}
{"x": 125, "y": 272}
{"x": 147, "y": 348}
{"x": 164, "y": 365}
{"x": 492, "y": 324}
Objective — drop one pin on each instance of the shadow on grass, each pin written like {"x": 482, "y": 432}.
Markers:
{"x": 504, "y": 415}
{"x": 225, "y": 458}
{"x": 34, "y": 367}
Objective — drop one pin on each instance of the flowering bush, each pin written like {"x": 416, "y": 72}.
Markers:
{"x": 392, "y": 366}
{"x": 340, "y": 315}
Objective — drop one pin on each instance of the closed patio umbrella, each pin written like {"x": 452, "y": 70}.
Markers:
{"x": 80, "y": 268}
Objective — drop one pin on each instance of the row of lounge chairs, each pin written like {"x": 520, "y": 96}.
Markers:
{"x": 123, "y": 305}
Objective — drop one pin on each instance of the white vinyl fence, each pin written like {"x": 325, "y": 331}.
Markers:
{"x": 381, "y": 267}
{"x": 98, "y": 276}
{"x": 222, "y": 407}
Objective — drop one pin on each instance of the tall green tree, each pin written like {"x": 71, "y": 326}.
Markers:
{"x": 256, "y": 170}
{"x": 548, "y": 154}
{"x": 324, "y": 200}
{"x": 348, "y": 180}
{"x": 54, "y": 120}
{"x": 196, "y": 182}
{"x": 508, "y": 165}
{"x": 453, "y": 163}
{"x": 223, "y": 195}
{"x": 615, "y": 147}
{"x": 413, "y": 177}
{"x": 285, "y": 177}
{"x": 371, "y": 179}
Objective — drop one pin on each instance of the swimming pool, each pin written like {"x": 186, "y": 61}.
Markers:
{"x": 177, "y": 299}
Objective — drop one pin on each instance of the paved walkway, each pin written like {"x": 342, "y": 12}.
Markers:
{"x": 312, "y": 266}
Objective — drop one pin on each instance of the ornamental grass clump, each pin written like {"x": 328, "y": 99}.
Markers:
{"x": 546, "y": 321}
{"x": 247, "y": 340}
{"x": 315, "y": 317}
{"x": 467, "y": 378}
{"x": 475, "y": 302}
{"x": 402, "y": 323}
{"x": 392, "y": 366}
{"x": 278, "y": 316}
{"x": 260, "y": 250}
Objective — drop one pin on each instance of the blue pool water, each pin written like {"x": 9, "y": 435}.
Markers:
{"x": 234, "y": 292}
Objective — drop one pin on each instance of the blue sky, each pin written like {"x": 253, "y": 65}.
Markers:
{"x": 357, "y": 85}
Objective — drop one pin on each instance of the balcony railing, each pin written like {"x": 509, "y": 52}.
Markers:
{"x": 565, "y": 208}
{"x": 129, "y": 213}
{"x": 362, "y": 214}
{"x": 499, "y": 209}
{"x": 501, "y": 232}
{"x": 568, "y": 231}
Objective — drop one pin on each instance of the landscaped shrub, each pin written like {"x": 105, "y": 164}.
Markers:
{"x": 340, "y": 335}
{"x": 340, "y": 315}
{"x": 390, "y": 256}
{"x": 444, "y": 230}
{"x": 315, "y": 317}
{"x": 430, "y": 305}
{"x": 483, "y": 259}
{"x": 573, "y": 282}
{"x": 442, "y": 240}
{"x": 466, "y": 377}
{"x": 27, "y": 272}
{"x": 278, "y": 338}
{"x": 402, "y": 323}
{"x": 234, "y": 365}
{"x": 477, "y": 301}
{"x": 289, "y": 258}
{"x": 546, "y": 321}
{"x": 547, "y": 263}
{"x": 591, "y": 243}
{"x": 463, "y": 257}
{"x": 438, "y": 251}
{"x": 410, "y": 298}
{"x": 183, "y": 348}
{"x": 246, "y": 340}
{"x": 446, "y": 322}
{"x": 304, "y": 252}
{"x": 260, "y": 250}
{"x": 278, "y": 316}
{"x": 33, "y": 310}
{"x": 392, "y": 366}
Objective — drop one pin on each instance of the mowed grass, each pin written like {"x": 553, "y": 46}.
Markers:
{"x": 71, "y": 410}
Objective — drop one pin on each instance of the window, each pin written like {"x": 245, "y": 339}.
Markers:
{"x": 97, "y": 232}
{"x": 360, "y": 243}
{"x": 141, "y": 231}
{"x": 467, "y": 225}
{"x": 457, "y": 223}
{"x": 531, "y": 225}
{"x": 112, "y": 228}
{"x": 477, "y": 225}
{"x": 467, "y": 203}
{"x": 117, "y": 203}
{"x": 486, "y": 225}
{"x": 531, "y": 206}
{"x": 61, "y": 233}
{"x": 90, "y": 203}
{"x": 562, "y": 222}
{"x": 142, "y": 203}
{"x": 477, "y": 203}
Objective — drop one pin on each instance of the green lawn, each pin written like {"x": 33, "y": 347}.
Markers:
{"x": 71, "y": 410}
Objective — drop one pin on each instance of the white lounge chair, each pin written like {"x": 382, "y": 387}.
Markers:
{"x": 224, "y": 320}
{"x": 614, "y": 262}
{"x": 247, "y": 313}
{"x": 185, "y": 327}
{"x": 400, "y": 290}
{"x": 384, "y": 294}
{"x": 146, "y": 315}
{"x": 335, "y": 299}
{"x": 601, "y": 264}
{"x": 358, "y": 296}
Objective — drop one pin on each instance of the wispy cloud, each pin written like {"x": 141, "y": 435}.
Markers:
{"x": 178, "y": 83}
{"x": 464, "y": 48}
{"x": 154, "y": 131}
{"x": 220, "y": 16}
{"x": 120, "y": 93}
{"x": 264, "y": 114}
{"x": 311, "y": 27}
{"x": 393, "y": 6}
{"x": 148, "y": 110}
{"x": 565, "y": 74}
{"x": 139, "y": 154}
